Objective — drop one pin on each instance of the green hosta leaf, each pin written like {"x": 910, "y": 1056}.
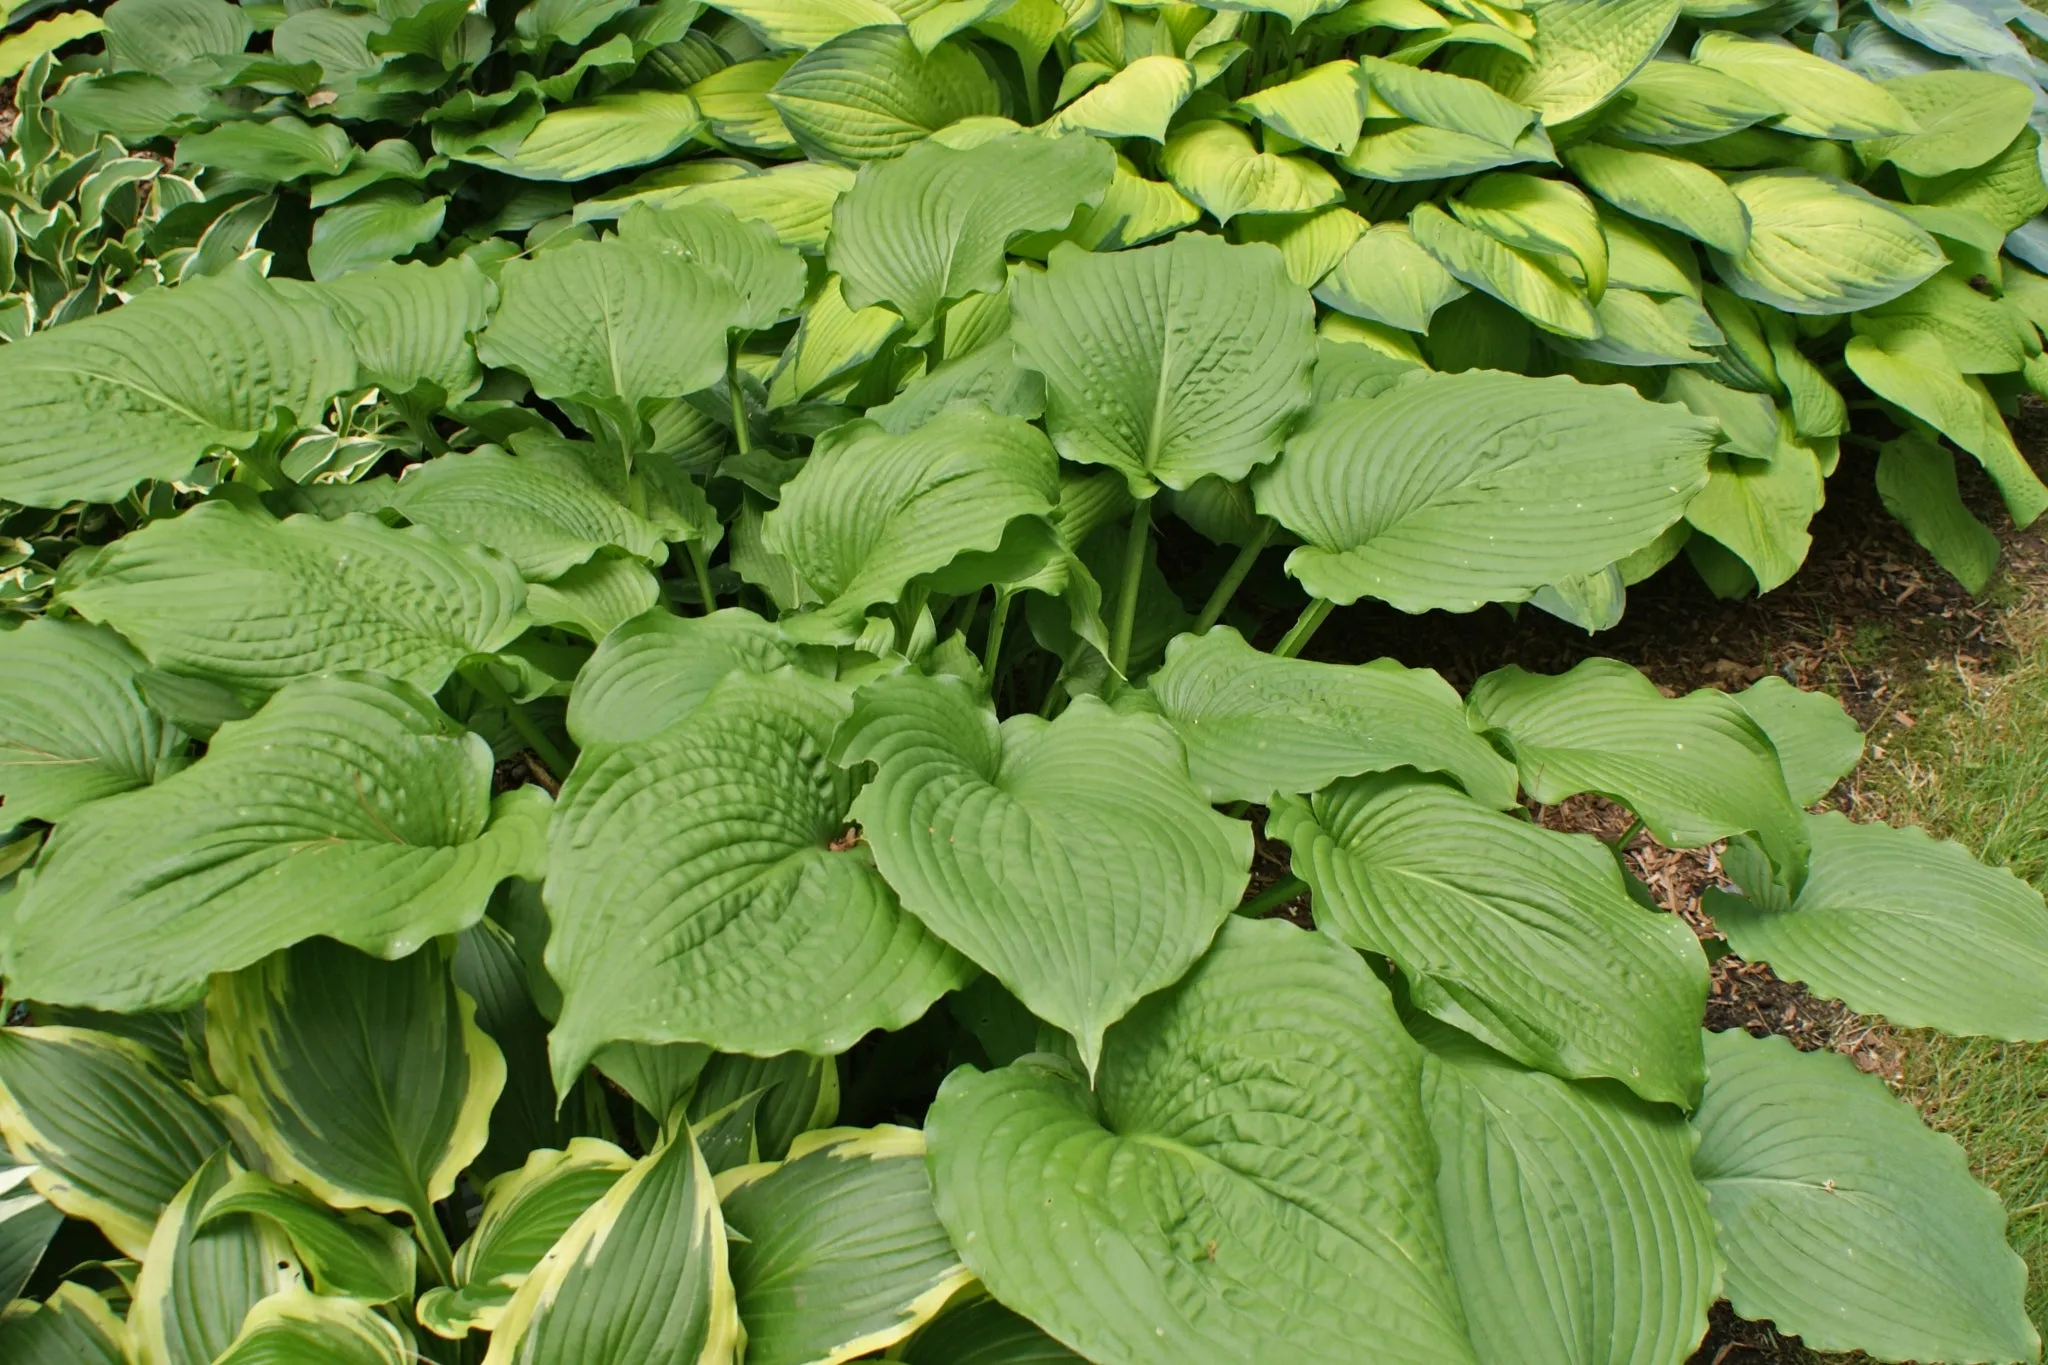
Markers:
{"x": 110, "y": 1137}
{"x": 1250, "y": 1178}
{"x": 1455, "y": 490}
{"x": 489, "y": 967}
{"x": 17, "y": 51}
{"x": 542, "y": 510}
{"x": 1821, "y": 246}
{"x": 357, "y": 1255}
{"x": 794, "y": 200}
{"x": 1964, "y": 118}
{"x": 276, "y": 149}
{"x": 1585, "y": 51}
{"x": 1981, "y": 335}
{"x": 382, "y": 222}
{"x": 830, "y": 344}
{"x": 1877, "y": 897}
{"x": 871, "y": 511}
{"x": 1216, "y": 165}
{"x": 524, "y": 1213}
{"x": 1311, "y": 243}
{"x": 198, "y": 1283}
{"x": 1664, "y": 189}
{"x": 1913, "y": 369}
{"x": 930, "y": 227}
{"x": 1387, "y": 277}
{"x": 717, "y": 847}
{"x": 1529, "y": 282}
{"x": 1323, "y": 107}
{"x": 1843, "y": 1219}
{"x": 593, "y": 599}
{"x": 1168, "y": 363}
{"x": 767, "y": 275}
{"x": 1074, "y": 861}
{"x": 1138, "y": 101}
{"x": 651, "y": 673}
{"x": 1916, "y": 478}
{"x": 982, "y": 1332}
{"x": 638, "y": 1279}
{"x": 734, "y": 101}
{"x": 1672, "y": 103}
{"x": 411, "y": 324}
{"x": 295, "y": 1325}
{"x": 1647, "y": 258}
{"x": 1133, "y": 211}
{"x": 1442, "y": 100}
{"x": 1255, "y": 725}
{"x": 74, "y": 724}
{"x": 616, "y": 324}
{"x": 196, "y": 593}
{"x": 368, "y": 1082}
{"x": 90, "y": 409}
{"x": 1570, "y": 1210}
{"x": 163, "y": 35}
{"x": 1524, "y": 938}
{"x": 807, "y": 23}
{"x": 74, "y": 1326}
{"x": 1821, "y": 98}
{"x": 840, "y": 1252}
{"x": 608, "y": 133}
{"x": 1817, "y": 743}
{"x": 1646, "y": 329}
{"x": 1417, "y": 151}
{"x": 348, "y": 806}
{"x": 1759, "y": 510}
{"x": 1545, "y": 216}
{"x": 869, "y": 94}
{"x": 1694, "y": 768}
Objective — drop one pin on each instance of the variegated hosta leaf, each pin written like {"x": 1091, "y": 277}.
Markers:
{"x": 652, "y": 672}
{"x": 357, "y": 1255}
{"x": 1254, "y": 724}
{"x": 703, "y": 889}
{"x": 1250, "y": 1178}
{"x": 90, "y": 409}
{"x": 930, "y": 227}
{"x": 797, "y": 1094}
{"x": 368, "y": 1082}
{"x": 615, "y": 324}
{"x": 74, "y": 1326}
{"x": 1846, "y": 1221}
{"x": 1074, "y": 860}
{"x": 1693, "y": 769}
{"x": 348, "y": 806}
{"x": 1574, "y": 1224}
{"x": 1525, "y": 938}
{"x": 1168, "y": 363}
{"x": 27, "y": 1221}
{"x": 871, "y": 511}
{"x": 543, "y": 510}
{"x": 240, "y": 599}
{"x": 198, "y": 1282}
{"x": 981, "y": 1331}
{"x": 1877, "y": 897}
{"x": 297, "y": 1326}
{"x": 110, "y": 1138}
{"x": 1456, "y": 490}
{"x": 842, "y": 1253}
{"x": 639, "y": 1278}
{"x": 525, "y": 1212}
{"x": 74, "y": 726}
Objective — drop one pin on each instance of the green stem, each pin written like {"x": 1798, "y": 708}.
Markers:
{"x": 1034, "y": 92}
{"x": 1634, "y": 827}
{"x": 964, "y": 613}
{"x": 1127, "y": 587}
{"x": 992, "y": 648}
{"x": 1272, "y": 898}
{"x": 740, "y": 434}
{"x": 1234, "y": 576}
{"x": 1304, "y": 626}
{"x": 701, "y": 562}
{"x": 427, "y": 1232}
{"x": 481, "y": 679}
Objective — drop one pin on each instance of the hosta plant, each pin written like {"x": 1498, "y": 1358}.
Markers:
{"x": 712, "y": 818}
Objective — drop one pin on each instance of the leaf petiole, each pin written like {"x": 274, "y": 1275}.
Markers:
{"x": 1234, "y": 576}
{"x": 1127, "y": 587}
{"x": 1297, "y": 636}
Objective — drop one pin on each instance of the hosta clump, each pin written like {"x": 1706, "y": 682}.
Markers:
{"x": 714, "y": 826}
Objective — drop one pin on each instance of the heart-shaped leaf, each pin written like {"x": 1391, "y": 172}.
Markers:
{"x": 1250, "y": 1175}
{"x": 348, "y": 807}
{"x": 1073, "y": 860}
{"x": 74, "y": 725}
{"x": 871, "y": 93}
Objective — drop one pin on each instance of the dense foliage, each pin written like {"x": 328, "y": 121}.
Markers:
{"x": 668, "y": 780}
